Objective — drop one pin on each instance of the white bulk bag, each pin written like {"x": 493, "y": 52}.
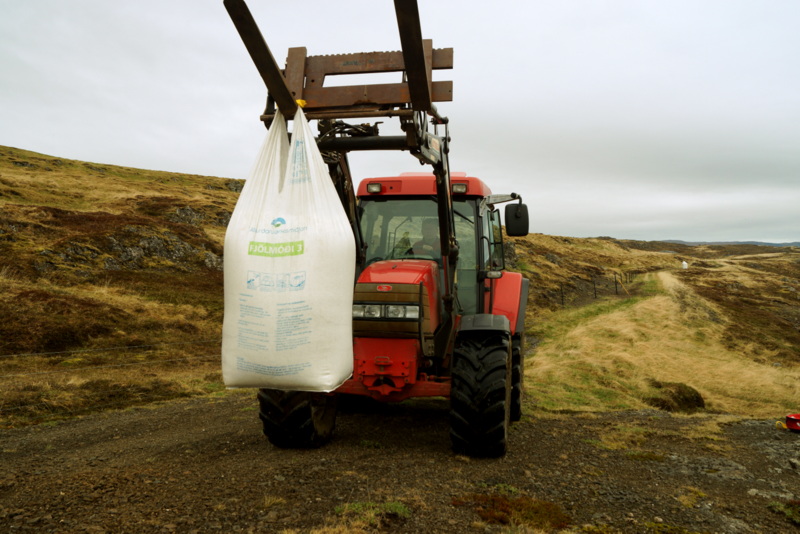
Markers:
{"x": 289, "y": 271}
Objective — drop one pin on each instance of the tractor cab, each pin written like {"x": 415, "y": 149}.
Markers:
{"x": 399, "y": 220}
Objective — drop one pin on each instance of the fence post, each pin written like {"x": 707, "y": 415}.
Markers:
{"x": 594, "y": 285}
{"x": 616, "y": 291}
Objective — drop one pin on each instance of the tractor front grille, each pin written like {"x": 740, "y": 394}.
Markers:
{"x": 379, "y": 299}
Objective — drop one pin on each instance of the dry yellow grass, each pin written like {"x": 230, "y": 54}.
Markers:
{"x": 132, "y": 349}
{"x": 555, "y": 258}
{"x": 608, "y": 360}
{"x": 40, "y": 180}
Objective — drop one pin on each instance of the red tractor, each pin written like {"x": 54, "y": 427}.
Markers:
{"x": 434, "y": 313}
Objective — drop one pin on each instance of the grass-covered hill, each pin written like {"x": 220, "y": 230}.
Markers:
{"x": 111, "y": 295}
{"x": 97, "y": 255}
{"x": 110, "y": 283}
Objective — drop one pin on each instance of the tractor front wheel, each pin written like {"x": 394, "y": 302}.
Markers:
{"x": 480, "y": 396}
{"x": 297, "y": 419}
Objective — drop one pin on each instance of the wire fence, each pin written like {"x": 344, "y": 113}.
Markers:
{"x": 579, "y": 290}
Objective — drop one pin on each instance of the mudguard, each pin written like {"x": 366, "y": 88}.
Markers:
{"x": 484, "y": 322}
{"x": 509, "y": 298}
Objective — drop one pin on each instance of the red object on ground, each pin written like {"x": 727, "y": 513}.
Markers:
{"x": 793, "y": 422}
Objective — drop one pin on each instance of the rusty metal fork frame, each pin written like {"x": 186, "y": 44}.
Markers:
{"x": 304, "y": 76}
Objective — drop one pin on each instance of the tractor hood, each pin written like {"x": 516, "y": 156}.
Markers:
{"x": 401, "y": 272}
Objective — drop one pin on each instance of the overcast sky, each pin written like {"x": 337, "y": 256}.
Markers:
{"x": 672, "y": 119}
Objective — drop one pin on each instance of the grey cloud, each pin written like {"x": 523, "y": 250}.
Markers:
{"x": 636, "y": 119}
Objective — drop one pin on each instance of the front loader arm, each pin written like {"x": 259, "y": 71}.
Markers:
{"x": 262, "y": 56}
{"x": 411, "y": 100}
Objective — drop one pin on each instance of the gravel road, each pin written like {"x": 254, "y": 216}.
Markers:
{"x": 202, "y": 465}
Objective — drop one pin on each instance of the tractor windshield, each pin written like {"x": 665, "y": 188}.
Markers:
{"x": 407, "y": 228}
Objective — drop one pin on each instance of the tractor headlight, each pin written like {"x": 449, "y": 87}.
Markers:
{"x": 386, "y": 311}
{"x": 372, "y": 311}
{"x": 399, "y": 311}
{"x": 367, "y": 311}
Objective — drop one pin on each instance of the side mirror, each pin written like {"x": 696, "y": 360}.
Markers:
{"x": 517, "y": 219}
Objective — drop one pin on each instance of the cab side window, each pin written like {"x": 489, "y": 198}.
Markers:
{"x": 496, "y": 242}
{"x": 486, "y": 242}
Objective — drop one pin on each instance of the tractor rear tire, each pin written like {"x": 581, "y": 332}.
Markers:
{"x": 480, "y": 396}
{"x": 297, "y": 419}
{"x": 517, "y": 378}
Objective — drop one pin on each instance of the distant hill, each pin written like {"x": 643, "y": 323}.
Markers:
{"x": 756, "y": 243}
{"x": 707, "y": 250}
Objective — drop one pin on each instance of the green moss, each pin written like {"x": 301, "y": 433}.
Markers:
{"x": 519, "y": 510}
{"x": 372, "y": 513}
{"x": 789, "y": 509}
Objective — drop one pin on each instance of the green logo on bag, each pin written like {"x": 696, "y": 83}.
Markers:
{"x": 276, "y": 250}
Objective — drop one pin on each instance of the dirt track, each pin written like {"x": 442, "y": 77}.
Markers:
{"x": 202, "y": 465}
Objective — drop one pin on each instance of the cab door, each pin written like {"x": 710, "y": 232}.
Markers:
{"x": 492, "y": 259}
